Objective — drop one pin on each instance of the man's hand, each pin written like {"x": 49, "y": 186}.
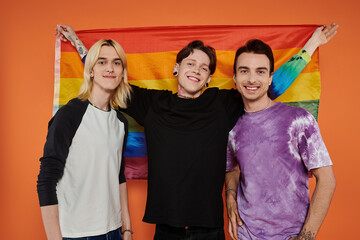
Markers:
{"x": 233, "y": 214}
{"x": 127, "y": 236}
{"x": 321, "y": 36}
{"x": 324, "y": 33}
{"x": 231, "y": 185}
{"x": 67, "y": 33}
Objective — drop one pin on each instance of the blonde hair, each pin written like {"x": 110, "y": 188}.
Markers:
{"x": 122, "y": 93}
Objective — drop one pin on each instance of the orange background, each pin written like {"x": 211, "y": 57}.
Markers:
{"x": 27, "y": 85}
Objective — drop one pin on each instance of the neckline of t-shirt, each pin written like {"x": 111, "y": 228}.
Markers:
{"x": 271, "y": 108}
{"x": 95, "y": 107}
{"x": 188, "y": 99}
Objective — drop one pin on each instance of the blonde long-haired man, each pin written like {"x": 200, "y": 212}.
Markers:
{"x": 81, "y": 185}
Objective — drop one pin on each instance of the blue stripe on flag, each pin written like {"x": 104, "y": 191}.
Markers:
{"x": 136, "y": 145}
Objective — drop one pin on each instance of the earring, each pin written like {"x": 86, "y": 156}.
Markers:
{"x": 175, "y": 73}
{"x": 206, "y": 84}
{"x": 91, "y": 78}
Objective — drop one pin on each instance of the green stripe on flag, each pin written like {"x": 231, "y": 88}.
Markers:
{"x": 312, "y": 106}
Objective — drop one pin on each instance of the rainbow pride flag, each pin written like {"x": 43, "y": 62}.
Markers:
{"x": 151, "y": 54}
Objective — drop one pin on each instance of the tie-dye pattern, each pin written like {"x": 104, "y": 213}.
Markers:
{"x": 275, "y": 149}
{"x": 288, "y": 72}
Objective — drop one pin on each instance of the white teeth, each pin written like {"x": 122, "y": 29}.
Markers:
{"x": 192, "y": 78}
{"x": 251, "y": 88}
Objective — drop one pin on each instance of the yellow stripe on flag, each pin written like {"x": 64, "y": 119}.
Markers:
{"x": 305, "y": 87}
{"x": 69, "y": 88}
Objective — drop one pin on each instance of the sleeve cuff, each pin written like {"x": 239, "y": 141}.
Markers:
{"x": 47, "y": 198}
{"x": 305, "y": 55}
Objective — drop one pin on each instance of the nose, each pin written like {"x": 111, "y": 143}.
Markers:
{"x": 252, "y": 78}
{"x": 196, "y": 69}
{"x": 109, "y": 68}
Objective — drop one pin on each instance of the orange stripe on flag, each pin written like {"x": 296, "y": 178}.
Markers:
{"x": 151, "y": 66}
{"x": 71, "y": 65}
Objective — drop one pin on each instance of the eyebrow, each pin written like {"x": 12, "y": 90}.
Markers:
{"x": 194, "y": 60}
{"x": 242, "y": 67}
{"x": 103, "y": 58}
{"x": 259, "y": 68}
{"x": 262, "y": 68}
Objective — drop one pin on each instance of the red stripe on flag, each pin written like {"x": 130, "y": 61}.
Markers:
{"x": 163, "y": 39}
{"x": 136, "y": 167}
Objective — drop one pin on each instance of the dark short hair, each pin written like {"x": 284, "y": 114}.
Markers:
{"x": 258, "y": 47}
{"x": 197, "y": 44}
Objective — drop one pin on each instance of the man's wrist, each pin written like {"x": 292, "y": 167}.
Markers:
{"x": 230, "y": 190}
{"x": 311, "y": 46}
{"x": 126, "y": 231}
{"x": 80, "y": 47}
{"x": 305, "y": 235}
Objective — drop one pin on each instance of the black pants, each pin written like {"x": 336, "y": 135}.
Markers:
{"x": 166, "y": 232}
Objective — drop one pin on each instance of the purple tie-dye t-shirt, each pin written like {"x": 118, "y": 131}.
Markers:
{"x": 275, "y": 149}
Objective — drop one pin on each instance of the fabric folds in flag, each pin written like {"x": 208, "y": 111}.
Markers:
{"x": 151, "y": 54}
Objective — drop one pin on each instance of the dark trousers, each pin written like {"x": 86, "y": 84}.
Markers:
{"x": 166, "y": 232}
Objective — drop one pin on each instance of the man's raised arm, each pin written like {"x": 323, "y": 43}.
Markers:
{"x": 67, "y": 33}
{"x": 289, "y": 71}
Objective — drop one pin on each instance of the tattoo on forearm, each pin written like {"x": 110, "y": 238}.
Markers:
{"x": 80, "y": 47}
{"x": 305, "y": 235}
{"x": 71, "y": 40}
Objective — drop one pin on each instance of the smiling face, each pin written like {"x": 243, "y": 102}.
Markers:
{"x": 193, "y": 73}
{"x": 107, "y": 72}
{"x": 252, "y": 77}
